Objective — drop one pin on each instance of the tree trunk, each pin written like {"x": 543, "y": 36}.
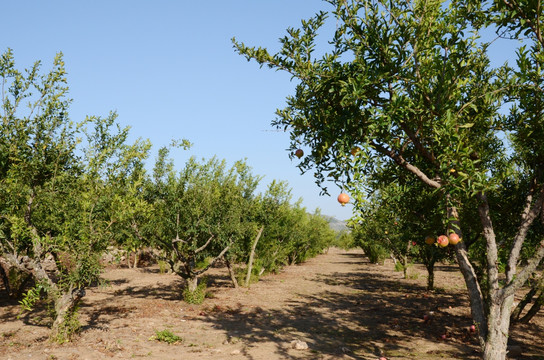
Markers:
{"x": 293, "y": 259}
{"x": 251, "y": 256}
{"x": 192, "y": 283}
{"x": 231, "y": 273}
{"x": 394, "y": 259}
{"x": 404, "y": 263}
{"x": 64, "y": 325}
{"x": 430, "y": 277}
{"x": 5, "y": 279}
{"x": 498, "y": 324}
{"x": 136, "y": 258}
{"x": 476, "y": 297}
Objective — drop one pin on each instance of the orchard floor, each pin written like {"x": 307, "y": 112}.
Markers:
{"x": 339, "y": 304}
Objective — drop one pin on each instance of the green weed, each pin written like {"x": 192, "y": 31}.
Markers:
{"x": 166, "y": 336}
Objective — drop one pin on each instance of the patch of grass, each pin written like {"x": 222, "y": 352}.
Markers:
{"x": 197, "y": 296}
{"x": 163, "y": 267}
{"x": 166, "y": 336}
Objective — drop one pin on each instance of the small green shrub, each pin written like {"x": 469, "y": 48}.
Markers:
{"x": 69, "y": 327}
{"x": 413, "y": 276}
{"x": 375, "y": 252}
{"x": 399, "y": 267}
{"x": 166, "y": 336}
{"x": 254, "y": 277}
{"x": 33, "y": 296}
{"x": 163, "y": 267}
{"x": 197, "y": 296}
{"x": 344, "y": 240}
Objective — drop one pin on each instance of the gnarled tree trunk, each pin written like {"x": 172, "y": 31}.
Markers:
{"x": 192, "y": 283}
{"x": 65, "y": 309}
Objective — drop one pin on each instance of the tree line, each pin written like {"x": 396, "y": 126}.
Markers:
{"x": 71, "y": 190}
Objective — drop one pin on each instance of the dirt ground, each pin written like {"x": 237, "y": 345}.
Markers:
{"x": 339, "y": 304}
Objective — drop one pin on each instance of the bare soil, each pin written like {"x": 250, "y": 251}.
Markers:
{"x": 338, "y": 303}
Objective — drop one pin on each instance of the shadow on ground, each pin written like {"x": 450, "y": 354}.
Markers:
{"x": 360, "y": 314}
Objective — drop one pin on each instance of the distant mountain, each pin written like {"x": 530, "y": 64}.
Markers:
{"x": 336, "y": 224}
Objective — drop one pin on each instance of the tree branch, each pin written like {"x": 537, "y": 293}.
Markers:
{"x": 178, "y": 253}
{"x": 514, "y": 6}
{"x": 418, "y": 144}
{"x": 491, "y": 247}
{"x": 469, "y": 274}
{"x": 519, "y": 280}
{"x": 201, "y": 271}
{"x": 179, "y": 240}
{"x": 205, "y": 245}
{"x": 528, "y": 215}
{"x": 403, "y": 163}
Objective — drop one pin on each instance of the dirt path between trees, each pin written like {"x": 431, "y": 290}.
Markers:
{"x": 338, "y": 304}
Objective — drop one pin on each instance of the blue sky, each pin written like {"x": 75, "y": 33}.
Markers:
{"x": 169, "y": 70}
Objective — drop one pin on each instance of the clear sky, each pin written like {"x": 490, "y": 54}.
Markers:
{"x": 168, "y": 68}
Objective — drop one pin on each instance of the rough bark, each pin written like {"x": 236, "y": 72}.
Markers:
{"x": 251, "y": 257}
{"x": 496, "y": 341}
{"x": 491, "y": 244}
{"x": 65, "y": 305}
{"x": 192, "y": 283}
{"x": 476, "y": 298}
{"x": 404, "y": 263}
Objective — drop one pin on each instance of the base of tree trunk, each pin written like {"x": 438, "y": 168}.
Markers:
{"x": 66, "y": 322}
{"x": 232, "y": 274}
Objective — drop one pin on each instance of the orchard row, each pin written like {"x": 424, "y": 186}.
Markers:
{"x": 70, "y": 191}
